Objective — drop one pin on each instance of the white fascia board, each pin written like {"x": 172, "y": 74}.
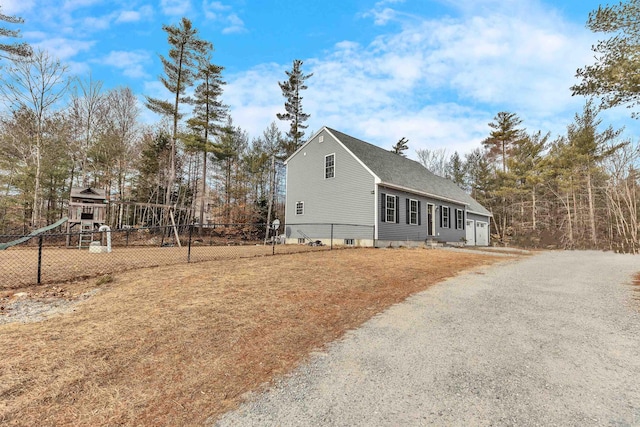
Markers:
{"x": 375, "y": 177}
{"x": 305, "y": 144}
{"x": 422, "y": 193}
{"x": 489, "y": 215}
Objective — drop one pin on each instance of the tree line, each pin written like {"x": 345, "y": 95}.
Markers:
{"x": 60, "y": 131}
{"x": 575, "y": 190}
{"x": 578, "y": 190}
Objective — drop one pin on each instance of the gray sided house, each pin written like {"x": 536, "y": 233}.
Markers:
{"x": 345, "y": 189}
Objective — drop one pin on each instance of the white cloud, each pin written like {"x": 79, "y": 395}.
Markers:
{"x": 128, "y": 16}
{"x": 145, "y": 12}
{"x": 221, "y": 13}
{"x": 235, "y": 25}
{"x": 175, "y": 7}
{"x": 63, "y": 48}
{"x": 416, "y": 82}
{"x": 16, "y": 7}
{"x": 98, "y": 23}
{"x": 132, "y": 64}
{"x": 212, "y": 9}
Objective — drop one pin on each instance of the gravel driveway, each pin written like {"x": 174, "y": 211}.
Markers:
{"x": 552, "y": 339}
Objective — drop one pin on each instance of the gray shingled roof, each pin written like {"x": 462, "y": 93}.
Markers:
{"x": 394, "y": 169}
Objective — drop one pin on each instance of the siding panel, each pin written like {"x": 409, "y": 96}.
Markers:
{"x": 348, "y": 198}
{"x": 403, "y": 231}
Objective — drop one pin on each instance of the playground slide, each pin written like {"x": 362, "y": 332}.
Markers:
{"x": 34, "y": 233}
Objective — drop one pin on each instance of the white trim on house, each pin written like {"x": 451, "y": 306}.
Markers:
{"x": 388, "y": 197}
{"x": 459, "y": 218}
{"x": 421, "y": 193}
{"x": 333, "y": 166}
{"x": 433, "y": 219}
{"x": 377, "y": 179}
{"x": 299, "y": 203}
{"x": 479, "y": 213}
{"x": 444, "y": 209}
{"x": 376, "y": 212}
{"x": 411, "y": 212}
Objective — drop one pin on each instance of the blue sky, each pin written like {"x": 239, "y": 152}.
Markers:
{"x": 433, "y": 71}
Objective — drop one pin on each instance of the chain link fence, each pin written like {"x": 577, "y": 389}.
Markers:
{"x": 59, "y": 257}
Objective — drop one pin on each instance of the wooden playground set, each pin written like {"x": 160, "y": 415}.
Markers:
{"x": 87, "y": 216}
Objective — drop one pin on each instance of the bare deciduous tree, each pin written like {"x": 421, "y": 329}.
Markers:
{"x": 37, "y": 85}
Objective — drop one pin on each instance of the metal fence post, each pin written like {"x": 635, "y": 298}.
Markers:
{"x": 39, "y": 259}
{"x": 331, "y": 241}
{"x": 190, "y": 235}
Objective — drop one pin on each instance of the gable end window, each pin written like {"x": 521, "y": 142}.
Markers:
{"x": 445, "y": 217}
{"x": 299, "y": 208}
{"x": 413, "y": 212}
{"x": 459, "y": 219}
{"x": 329, "y": 166}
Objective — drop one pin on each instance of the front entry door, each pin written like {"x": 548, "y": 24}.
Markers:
{"x": 431, "y": 218}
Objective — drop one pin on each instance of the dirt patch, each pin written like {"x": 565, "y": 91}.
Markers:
{"x": 179, "y": 344}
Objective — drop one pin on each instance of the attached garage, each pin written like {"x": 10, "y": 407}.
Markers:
{"x": 482, "y": 233}
{"x": 477, "y": 229}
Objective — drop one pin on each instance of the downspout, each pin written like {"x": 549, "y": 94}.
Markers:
{"x": 376, "y": 212}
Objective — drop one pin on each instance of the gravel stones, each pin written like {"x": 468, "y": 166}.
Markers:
{"x": 552, "y": 339}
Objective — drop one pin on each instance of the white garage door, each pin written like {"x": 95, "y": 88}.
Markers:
{"x": 471, "y": 232}
{"x": 482, "y": 233}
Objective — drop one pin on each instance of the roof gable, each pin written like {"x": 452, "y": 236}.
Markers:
{"x": 88, "y": 193}
{"x": 397, "y": 170}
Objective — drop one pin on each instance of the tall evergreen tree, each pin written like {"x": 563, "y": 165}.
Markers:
{"x": 208, "y": 112}
{"x": 503, "y": 137}
{"x": 400, "y": 147}
{"x": 181, "y": 68}
{"x": 456, "y": 170}
{"x": 13, "y": 50}
{"x": 614, "y": 76}
{"x": 291, "y": 90}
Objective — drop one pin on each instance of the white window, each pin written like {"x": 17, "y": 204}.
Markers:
{"x": 329, "y": 166}
{"x": 391, "y": 208}
{"x": 444, "y": 223}
{"x": 349, "y": 242}
{"x": 413, "y": 212}
{"x": 321, "y": 138}
{"x": 299, "y": 208}
{"x": 459, "y": 219}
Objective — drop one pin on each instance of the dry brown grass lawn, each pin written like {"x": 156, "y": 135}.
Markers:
{"x": 176, "y": 345}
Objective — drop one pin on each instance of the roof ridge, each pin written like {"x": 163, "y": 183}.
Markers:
{"x": 388, "y": 152}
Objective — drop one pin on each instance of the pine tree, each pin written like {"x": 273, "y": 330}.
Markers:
{"x": 456, "y": 170}
{"x": 503, "y": 137}
{"x": 614, "y": 76}
{"x": 400, "y": 147}
{"x": 208, "y": 112}
{"x": 291, "y": 89}
{"x": 15, "y": 50}
{"x": 180, "y": 69}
